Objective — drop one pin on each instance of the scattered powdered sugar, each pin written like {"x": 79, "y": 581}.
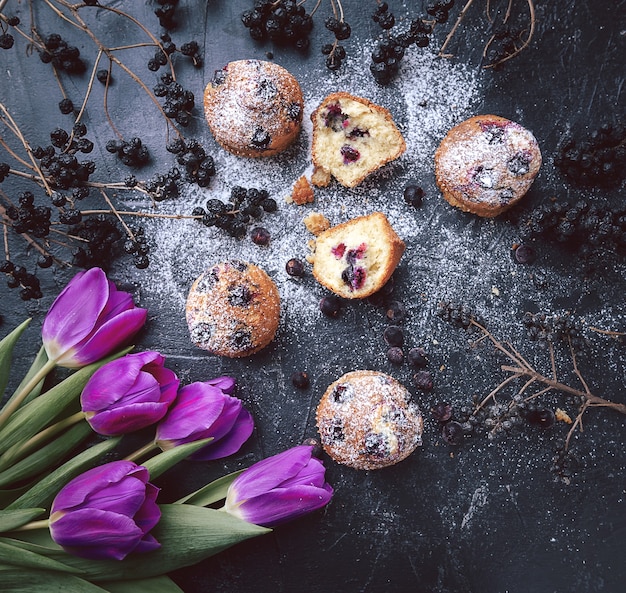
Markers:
{"x": 429, "y": 96}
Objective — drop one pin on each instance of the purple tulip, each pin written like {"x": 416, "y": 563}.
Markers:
{"x": 106, "y": 512}
{"x": 88, "y": 320}
{"x": 279, "y": 488}
{"x": 129, "y": 393}
{"x": 206, "y": 410}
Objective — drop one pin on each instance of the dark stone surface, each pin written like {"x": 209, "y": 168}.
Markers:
{"x": 485, "y": 516}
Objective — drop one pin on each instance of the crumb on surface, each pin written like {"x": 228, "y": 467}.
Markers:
{"x": 302, "y": 192}
{"x": 316, "y": 223}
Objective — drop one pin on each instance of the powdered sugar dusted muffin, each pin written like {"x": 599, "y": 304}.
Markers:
{"x": 352, "y": 137}
{"x": 233, "y": 309}
{"x": 356, "y": 258}
{"x": 486, "y": 164}
{"x": 366, "y": 420}
{"x": 253, "y": 108}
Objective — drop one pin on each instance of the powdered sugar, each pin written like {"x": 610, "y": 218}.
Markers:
{"x": 429, "y": 96}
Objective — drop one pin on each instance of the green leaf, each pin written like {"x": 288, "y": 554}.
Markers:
{"x": 17, "y": 556}
{"x": 187, "y": 534}
{"x": 153, "y": 585}
{"x": 211, "y": 493}
{"x": 6, "y": 353}
{"x": 45, "y": 409}
{"x": 40, "y": 360}
{"x": 44, "y": 491}
{"x": 10, "y": 520}
{"x": 18, "y": 580}
{"x": 163, "y": 461}
{"x": 46, "y": 457}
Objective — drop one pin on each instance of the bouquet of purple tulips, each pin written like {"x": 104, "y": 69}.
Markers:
{"x": 104, "y": 523}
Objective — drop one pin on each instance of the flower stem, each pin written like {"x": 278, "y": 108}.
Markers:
{"x": 15, "y": 402}
{"x": 20, "y": 450}
{"x": 142, "y": 451}
{"x": 43, "y": 524}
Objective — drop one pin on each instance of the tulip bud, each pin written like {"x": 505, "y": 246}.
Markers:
{"x": 88, "y": 320}
{"x": 106, "y": 512}
{"x": 205, "y": 410}
{"x": 129, "y": 393}
{"x": 279, "y": 488}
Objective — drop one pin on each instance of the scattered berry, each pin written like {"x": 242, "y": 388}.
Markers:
{"x": 260, "y": 235}
{"x": 395, "y": 355}
{"x": 417, "y": 357}
{"x": 413, "y": 195}
{"x": 452, "y": 432}
{"x": 441, "y": 411}
{"x": 295, "y": 267}
{"x": 300, "y": 379}
{"x": 423, "y": 380}
{"x": 393, "y": 336}
{"x": 330, "y": 306}
{"x": 524, "y": 254}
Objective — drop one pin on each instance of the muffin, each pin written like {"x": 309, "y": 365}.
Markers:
{"x": 366, "y": 421}
{"x": 356, "y": 258}
{"x": 253, "y": 108}
{"x": 233, "y": 309}
{"x": 486, "y": 164}
{"x": 352, "y": 138}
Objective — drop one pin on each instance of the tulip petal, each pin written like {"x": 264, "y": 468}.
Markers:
{"x": 225, "y": 384}
{"x": 128, "y": 419}
{"x": 124, "y": 497}
{"x": 283, "y": 504}
{"x": 111, "y": 334}
{"x": 77, "y": 490}
{"x": 312, "y": 474}
{"x": 112, "y": 381}
{"x": 195, "y": 409}
{"x": 149, "y": 513}
{"x": 96, "y": 534}
{"x": 72, "y": 316}
{"x": 271, "y": 472}
{"x": 229, "y": 444}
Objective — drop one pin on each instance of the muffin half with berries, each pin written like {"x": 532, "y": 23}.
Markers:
{"x": 356, "y": 258}
{"x": 352, "y": 138}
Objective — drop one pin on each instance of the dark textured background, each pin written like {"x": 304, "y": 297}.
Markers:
{"x": 485, "y": 516}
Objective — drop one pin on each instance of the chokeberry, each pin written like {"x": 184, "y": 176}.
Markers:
{"x": 300, "y": 379}
{"x": 441, "y": 411}
{"x": 393, "y": 336}
{"x": 295, "y": 267}
{"x": 452, "y": 433}
{"x": 330, "y": 306}
{"x": 260, "y": 235}
{"x": 395, "y": 355}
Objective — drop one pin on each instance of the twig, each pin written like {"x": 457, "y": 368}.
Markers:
{"x": 453, "y": 30}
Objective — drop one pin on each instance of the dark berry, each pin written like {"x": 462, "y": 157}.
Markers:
{"x": 295, "y": 267}
{"x": 524, "y": 254}
{"x": 44, "y": 260}
{"x": 6, "y": 41}
{"x": 441, "y": 411}
{"x": 66, "y": 106}
{"x": 260, "y": 235}
{"x": 330, "y": 306}
{"x": 103, "y": 76}
{"x": 395, "y": 355}
{"x": 543, "y": 418}
{"x": 393, "y": 336}
{"x": 413, "y": 195}
{"x": 417, "y": 357}
{"x": 395, "y": 311}
{"x": 423, "y": 380}
{"x": 300, "y": 379}
{"x": 452, "y": 433}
